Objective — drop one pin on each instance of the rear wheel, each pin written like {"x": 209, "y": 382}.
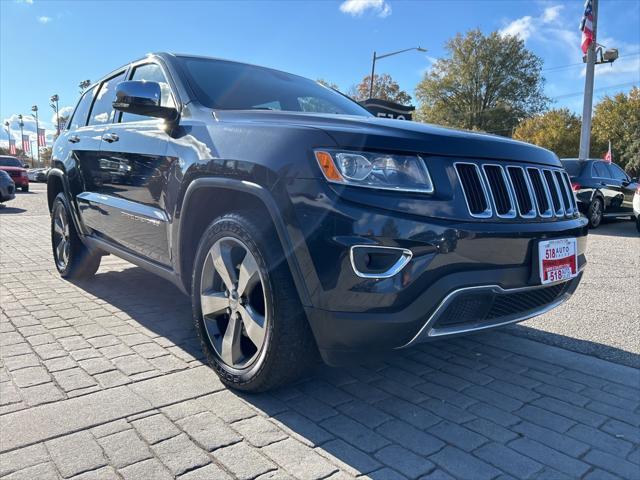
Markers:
{"x": 25, "y": 188}
{"x": 72, "y": 259}
{"x": 250, "y": 321}
{"x": 594, "y": 214}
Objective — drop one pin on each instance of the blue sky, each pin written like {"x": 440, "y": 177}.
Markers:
{"x": 49, "y": 46}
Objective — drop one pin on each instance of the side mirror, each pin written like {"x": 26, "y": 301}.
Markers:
{"x": 26, "y": 165}
{"x": 142, "y": 98}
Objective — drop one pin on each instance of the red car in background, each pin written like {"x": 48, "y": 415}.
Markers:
{"x": 16, "y": 171}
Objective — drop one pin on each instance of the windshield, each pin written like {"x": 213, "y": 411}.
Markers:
{"x": 9, "y": 162}
{"x": 228, "y": 85}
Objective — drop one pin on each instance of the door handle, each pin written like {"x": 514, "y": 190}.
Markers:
{"x": 110, "y": 137}
{"x": 74, "y": 138}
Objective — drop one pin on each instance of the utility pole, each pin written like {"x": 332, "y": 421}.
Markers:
{"x": 35, "y": 109}
{"x": 585, "y": 132}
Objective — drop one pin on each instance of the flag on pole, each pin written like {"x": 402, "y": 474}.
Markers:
{"x": 608, "y": 157}
{"x": 26, "y": 144}
{"x": 12, "y": 146}
{"x": 42, "y": 141}
{"x": 586, "y": 26}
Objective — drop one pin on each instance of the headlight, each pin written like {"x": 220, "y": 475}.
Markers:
{"x": 406, "y": 173}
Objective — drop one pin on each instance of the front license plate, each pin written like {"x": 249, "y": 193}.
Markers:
{"x": 558, "y": 260}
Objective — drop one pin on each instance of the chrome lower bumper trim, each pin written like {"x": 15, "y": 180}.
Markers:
{"x": 428, "y": 331}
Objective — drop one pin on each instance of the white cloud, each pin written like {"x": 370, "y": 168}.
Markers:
{"x": 28, "y": 2}
{"x": 521, "y": 27}
{"x": 44, "y": 19}
{"x": 550, "y": 14}
{"x": 356, "y": 8}
{"x": 526, "y": 26}
{"x": 65, "y": 112}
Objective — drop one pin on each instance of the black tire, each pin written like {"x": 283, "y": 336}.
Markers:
{"x": 594, "y": 212}
{"x": 73, "y": 260}
{"x": 638, "y": 223}
{"x": 25, "y": 189}
{"x": 288, "y": 347}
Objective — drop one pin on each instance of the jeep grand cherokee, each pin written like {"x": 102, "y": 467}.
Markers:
{"x": 299, "y": 223}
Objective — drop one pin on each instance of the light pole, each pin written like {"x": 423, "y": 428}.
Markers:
{"x": 54, "y": 105}
{"x": 378, "y": 57}
{"x": 21, "y": 125}
{"x": 35, "y": 110}
{"x": 8, "y": 127}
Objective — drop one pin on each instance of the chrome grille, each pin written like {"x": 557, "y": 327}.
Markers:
{"x": 512, "y": 191}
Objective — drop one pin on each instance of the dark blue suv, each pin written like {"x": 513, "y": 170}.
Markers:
{"x": 301, "y": 224}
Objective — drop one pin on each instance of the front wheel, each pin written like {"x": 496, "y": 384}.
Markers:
{"x": 72, "y": 259}
{"x": 595, "y": 213}
{"x": 251, "y": 324}
{"x": 25, "y": 188}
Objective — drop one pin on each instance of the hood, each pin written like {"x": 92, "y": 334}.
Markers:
{"x": 13, "y": 169}
{"x": 401, "y": 136}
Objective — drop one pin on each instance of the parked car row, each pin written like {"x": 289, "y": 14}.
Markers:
{"x": 602, "y": 189}
{"x": 16, "y": 171}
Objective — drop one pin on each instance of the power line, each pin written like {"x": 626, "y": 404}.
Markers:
{"x": 627, "y": 84}
{"x": 570, "y": 65}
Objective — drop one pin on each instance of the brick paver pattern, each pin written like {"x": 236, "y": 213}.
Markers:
{"x": 104, "y": 379}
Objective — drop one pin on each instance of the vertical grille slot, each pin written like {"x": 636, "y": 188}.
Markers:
{"x": 567, "y": 186}
{"x": 542, "y": 196}
{"x": 521, "y": 190}
{"x": 553, "y": 190}
{"x": 473, "y": 188}
{"x": 568, "y": 209}
{"x": 499, "y": 189}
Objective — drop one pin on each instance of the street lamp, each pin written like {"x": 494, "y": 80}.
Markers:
{"x": 21, "y": 125}
{"x": 35, "y": 110}
{"x": 54, "y": 105}
{"x": 378, "y": 57}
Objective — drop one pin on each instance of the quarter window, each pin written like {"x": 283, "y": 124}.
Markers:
{"x": 79, "y": 117}
{"x": 102, "y": 111}
{"x": 151, "y": 72}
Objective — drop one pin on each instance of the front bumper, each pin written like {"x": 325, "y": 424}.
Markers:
{"x": 354, "y": 316}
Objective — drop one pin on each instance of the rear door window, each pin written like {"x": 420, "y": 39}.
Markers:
{"x": 600, "y": 170}
{"x": 102, "y": 111}
{"x": 79, "y": 118}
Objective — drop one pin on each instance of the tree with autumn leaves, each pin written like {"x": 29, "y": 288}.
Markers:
{"x": 615, "y": 118}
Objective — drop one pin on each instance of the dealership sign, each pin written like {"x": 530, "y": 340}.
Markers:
{"x": 386, "y": 109}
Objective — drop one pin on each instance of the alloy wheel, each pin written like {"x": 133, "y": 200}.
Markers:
{"x": 61, "y": 244}
{"x": 233, "y": 303}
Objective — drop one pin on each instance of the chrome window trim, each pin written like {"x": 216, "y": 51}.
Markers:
{"x": 512, "y": 212}
{"x": 487, "y": 213}
{"x": 405, "y": 257}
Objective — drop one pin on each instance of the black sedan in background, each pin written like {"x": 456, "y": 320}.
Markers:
{"x": 602, "y": 189}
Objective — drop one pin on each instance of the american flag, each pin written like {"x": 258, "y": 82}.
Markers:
{"x": 26, "y": 144}
{"x": 12, "y": 146}
{"x": 586, "y": 25}
{"x": 42, "y": 141}
{"x": 608, "y": 157}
